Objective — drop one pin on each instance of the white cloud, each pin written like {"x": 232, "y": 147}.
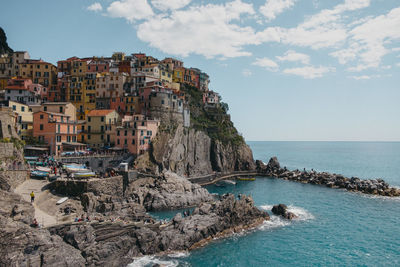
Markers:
{"x": 396, "y": 49}
{"x": 372, "y": 35}
{"x": 309, "y": 72}
{"x": 208, "y": 30}
{"x": 293, "y": 56}
{"x": 96, "y": 7}
{"x": 361, "y": 77}
{"x": 131, "y": 10}
{"x": 324, "y": 29}
{"x": 266, "y": 63}
{"x": 272, "y": 8}
{"x": 247, "y": 73}
{"x": 398, "y": 64}
{"x": 165, "y": 5}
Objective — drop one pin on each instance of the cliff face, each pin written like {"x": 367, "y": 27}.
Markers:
{"x": 192, "y": 152}
{"x": 212, "y": 143}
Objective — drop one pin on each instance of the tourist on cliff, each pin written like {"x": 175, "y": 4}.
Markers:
{"x": 32, "y": 197}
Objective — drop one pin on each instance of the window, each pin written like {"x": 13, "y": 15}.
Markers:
{"x": 102, "y": 137}
{"x": 61, "y": 109}
{"x": 73, "y": 138}
{"x": 102, "y": 119}
{"x": 58, "y": 138}
{"x": 58, "y": 128}
{"x": 133, "y": 141}
{"x": 89, "y": 128}
{"x": 126, "y": 141}
{"x": 41, "y": 127}
{"x": 41, "y": 116}
{"x": 45, "y": 108}
{"x": 14, "y": 107}
{"x": 89, "y": 119}
{"x": 133, "y": 133}
{"x": 125, "y": 133}
{"x": 88, "y": 137}
{"x": 102, "y": 128}
{"x": 68, "y": 138}
{"x": 118, "y": 141}
{"x": 141, "y": 132}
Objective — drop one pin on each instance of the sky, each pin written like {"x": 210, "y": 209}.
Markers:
{"x": 290, "y": 70}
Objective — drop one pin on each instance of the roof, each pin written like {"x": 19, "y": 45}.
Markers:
{"x": 52, "y": 113}
{"x": 100, "y": 112}
{"x": 16, "y": 87}
{"x": 56, "y": 103}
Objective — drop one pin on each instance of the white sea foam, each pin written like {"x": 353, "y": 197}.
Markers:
{"x": 180, "y": 254}
{"x": 152, "y": 260}
{"x": 278, "y": 221}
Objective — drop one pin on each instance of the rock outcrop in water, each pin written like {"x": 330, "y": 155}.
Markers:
{"x": 282, "y": 210}
{"x": 370, "y": 186}
{"x": 115, "y": 244}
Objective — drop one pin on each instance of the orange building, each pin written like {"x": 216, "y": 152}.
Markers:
{"x": 58, "y": 130}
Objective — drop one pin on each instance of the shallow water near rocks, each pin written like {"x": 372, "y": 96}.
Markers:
{"x": 335, "y": 227}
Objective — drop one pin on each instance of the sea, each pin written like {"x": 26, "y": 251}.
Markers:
{"x": 334, "y": 228}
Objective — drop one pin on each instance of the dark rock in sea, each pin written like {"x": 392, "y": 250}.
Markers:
{"x": 281, "y": 210}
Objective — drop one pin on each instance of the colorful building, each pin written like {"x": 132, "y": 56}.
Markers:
{"x": 57, "y": 130}
{"x": 136, "y": 133}
{"x": 24, "y": 118}
{"x": 23, "y": 91}
{"x": 97, "y": 123}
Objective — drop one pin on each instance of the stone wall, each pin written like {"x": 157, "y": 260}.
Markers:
{"x": 6, "y": 150}
{"x": 109, "y": 186}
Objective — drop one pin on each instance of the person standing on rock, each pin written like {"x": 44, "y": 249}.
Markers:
{"x": 32, "y": 197}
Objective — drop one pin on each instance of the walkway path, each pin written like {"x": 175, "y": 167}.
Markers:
{"x": 36, "y": 186}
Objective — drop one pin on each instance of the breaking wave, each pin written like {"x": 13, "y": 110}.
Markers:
{"x": 278, "y": 221}
{"x": 170, "y": 260}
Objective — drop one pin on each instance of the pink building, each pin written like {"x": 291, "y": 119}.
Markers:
{"x": 210, "y": 98}
{"x": 57, "y": 130}
{"x": 136, "y": 133}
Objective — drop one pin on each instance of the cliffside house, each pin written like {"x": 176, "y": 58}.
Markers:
{"x": 136, "y": 133}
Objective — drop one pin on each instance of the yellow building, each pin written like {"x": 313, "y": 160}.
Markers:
{"x": 24, "y": 119}
{"x": 132, "y": 105}
{"x": 178, "y": 75}
{"x": 39, "y": 71}
{"x": 81, "y": 90}
{"x": 97, "y": 124}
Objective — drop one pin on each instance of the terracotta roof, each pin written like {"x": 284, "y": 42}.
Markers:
{"x": 100, "y": 112}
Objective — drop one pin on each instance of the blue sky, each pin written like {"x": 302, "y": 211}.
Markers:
{"x": 289, "y": 69}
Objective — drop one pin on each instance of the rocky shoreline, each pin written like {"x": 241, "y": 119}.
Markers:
{"x": 354, "y": 184}
{"x": 116, "y": 244}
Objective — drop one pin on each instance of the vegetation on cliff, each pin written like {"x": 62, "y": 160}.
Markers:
{"x": 213, "y": 120}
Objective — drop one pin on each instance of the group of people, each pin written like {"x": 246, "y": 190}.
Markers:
{"x": 82, "y": 219}
{"x": 186, "y": 213}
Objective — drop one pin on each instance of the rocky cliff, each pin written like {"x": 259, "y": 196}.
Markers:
{"x": 210, "y": 144}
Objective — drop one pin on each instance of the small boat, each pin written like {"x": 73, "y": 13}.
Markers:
{"x": 228, "y": 182}
{"x": 246, "y": 179}
{"x": 61, "y": 200}
{"x": 39, "y": 174}
{"x": 84, "y": 174}
{"x": 43, "y": 169}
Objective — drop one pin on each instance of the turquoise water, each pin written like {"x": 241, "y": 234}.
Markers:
{"x": 335, "y": 227}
